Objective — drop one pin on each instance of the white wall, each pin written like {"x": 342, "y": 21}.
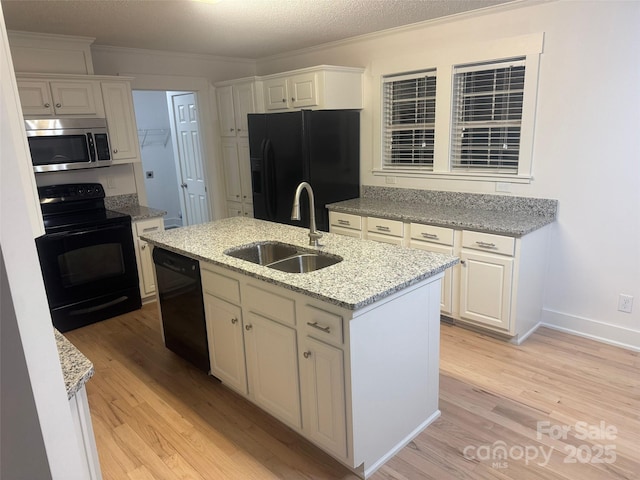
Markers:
{"x": 586, "y": 148}
{"x": 162, "y": 190}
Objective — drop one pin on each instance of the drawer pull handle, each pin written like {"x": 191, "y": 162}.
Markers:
{"x": 150, "y": 229}
{"x": 319, "y": 327}
{"x": 306, "y": 354}
{"x": 234, "y": 321}
{"x": 486, "y": 244}
{"x": 429, "y": 235}
{"x": 248, "y": 327}
{"x": 344, "y": 222}
{"x": 382, "y": 228}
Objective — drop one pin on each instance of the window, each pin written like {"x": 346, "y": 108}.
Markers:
{"x": 486, "y": 116}
{"x": 409, "y": 103}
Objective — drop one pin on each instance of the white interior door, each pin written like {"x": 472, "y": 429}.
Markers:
{"x": 192, "y": 181}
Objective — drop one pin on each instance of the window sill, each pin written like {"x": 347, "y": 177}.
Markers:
{"x": 471, "y": 176}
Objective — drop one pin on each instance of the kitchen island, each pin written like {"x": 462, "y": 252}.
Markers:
{"x": 346, "y": 355}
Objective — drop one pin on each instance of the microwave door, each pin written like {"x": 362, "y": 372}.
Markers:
{"x": 50, "y": 153}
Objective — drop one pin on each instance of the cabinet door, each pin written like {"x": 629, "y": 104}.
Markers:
{"x": 234, "y": 209}
{"x": 324, "y": 393}
{"x": 303, "y": 90}
{"x": 247, "y": 210}
{"x": 244, "y": 103}
{"x": 447, "y": 285}
{"x": 123, "y": 134}
{"x": 225, "y": 111}
{"x": 485, "y": 288}
{"x": 76, "y": 98}
{"x": 35, "y": 98}
{"x": 275, "y": 94}
{"x": 231, "y": 171}
{"x": 272, "y": 364}
{"x": 226, "y": 347}
{"x": 145, "y": 268}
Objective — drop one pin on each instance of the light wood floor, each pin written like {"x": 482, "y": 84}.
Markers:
{"x": 156, "y": 417}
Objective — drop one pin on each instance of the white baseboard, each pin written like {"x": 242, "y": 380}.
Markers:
{"x": 593, "y": 329}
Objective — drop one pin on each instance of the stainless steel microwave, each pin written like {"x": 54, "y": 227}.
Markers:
{"x": 68, "y": 143}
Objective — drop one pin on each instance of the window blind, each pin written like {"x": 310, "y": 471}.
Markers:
{"x": 409, "y": 110}
{"x": 487, "y": 115}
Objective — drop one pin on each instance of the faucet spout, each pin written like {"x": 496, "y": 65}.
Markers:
{"x": 314, "y": 235}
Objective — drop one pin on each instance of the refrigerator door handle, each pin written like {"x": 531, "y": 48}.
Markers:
{"x": 269, "y": 175}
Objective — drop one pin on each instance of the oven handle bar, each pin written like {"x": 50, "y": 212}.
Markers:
{"x": 84, "y": 231}
{"x": 102, "y": 306}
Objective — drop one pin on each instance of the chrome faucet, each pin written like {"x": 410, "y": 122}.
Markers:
{"x": 314, "y": 235}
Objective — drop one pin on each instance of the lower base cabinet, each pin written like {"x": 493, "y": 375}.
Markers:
{"x": 317, "y": 367}
{"x": 81, "y": 416}
{"x": 143, "y": 255}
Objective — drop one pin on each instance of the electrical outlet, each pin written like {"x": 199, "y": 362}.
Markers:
{"x": 149, "y": 174}
{"x": 625, "y": 303}
{"x": 503, "y": 187}
{"x": 111, "y": 183}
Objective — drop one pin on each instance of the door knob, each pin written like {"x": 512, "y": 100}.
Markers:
{"x": 183, "y": 185}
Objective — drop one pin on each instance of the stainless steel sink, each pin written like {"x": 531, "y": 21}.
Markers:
{"x": 263, "y": 253}
{"x": 305, "y": 262}
{"x": 284, "y": 257}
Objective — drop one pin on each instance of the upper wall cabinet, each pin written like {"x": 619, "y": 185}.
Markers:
{"x": 42, "y": 98}
{"x": 234, "y": 103}
{"x": 121, "y": 121}
{"x": 323, "y": 87}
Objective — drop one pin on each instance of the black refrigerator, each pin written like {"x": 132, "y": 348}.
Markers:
{"x": 321, "y": 147}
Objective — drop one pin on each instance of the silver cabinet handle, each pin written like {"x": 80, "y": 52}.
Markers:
{"x": 231, "y": 129}
{"x": 429, "y": 235}
{"x": 306, "y": 354}
{"x": 284, "y": 100}
{"x": 143, "y": 246}
{"x": 47, "y": 105}
{"x": 58, "y": 105}
{"x": 485, "y": 244}
{"x": 248, "y": 327}
{"x": 115, "y": 150}
{"x": 463, "y": 262}
{"x": 344, "y": 222}
{"x": 234, "y": 320}
{"x": 239, "y": 129}
{"x": 149, "y": 229}
{"x": 382, "y": 228}
{"x": 319, "y": 327}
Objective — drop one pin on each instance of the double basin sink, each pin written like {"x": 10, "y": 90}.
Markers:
{"x": 283, "y": 257}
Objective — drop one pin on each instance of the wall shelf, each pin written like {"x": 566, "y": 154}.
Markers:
{"x": 154, "y": 136}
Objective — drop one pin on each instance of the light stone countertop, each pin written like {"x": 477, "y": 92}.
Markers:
{"x": 369, "y": 271}
{"x": 140, "y": 212}
{"x": 76, "y": 368}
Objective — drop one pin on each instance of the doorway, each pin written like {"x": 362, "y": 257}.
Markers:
{"x": 174, "y": 178}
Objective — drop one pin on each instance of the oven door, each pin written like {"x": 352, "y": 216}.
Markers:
{"x": 89, "y": 274}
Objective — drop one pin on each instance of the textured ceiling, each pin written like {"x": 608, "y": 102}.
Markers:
{"x": 233, "y": 28}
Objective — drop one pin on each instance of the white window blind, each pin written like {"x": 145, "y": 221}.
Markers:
{"x": 409, "y": 110}
{"x": 487, "y": 116}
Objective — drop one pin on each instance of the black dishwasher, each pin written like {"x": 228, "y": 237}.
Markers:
{"x": 181, "y": 305}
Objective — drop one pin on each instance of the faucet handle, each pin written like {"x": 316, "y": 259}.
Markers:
{"x": 314, "y": 237}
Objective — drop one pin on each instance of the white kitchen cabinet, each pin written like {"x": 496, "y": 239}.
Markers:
{"x": 237, "y": 174}
{"x": 43, "y": 97}
{"x": 438, "y": 240}
{"x": 272, "y": 365}
{"x": 322, "y": 87}
{"x": 121, "y": 121}
{"x": 384, "y": 230}
{"x": 143, "y": 255}
{"x": 81, "y": 416}
{"x": 345, "y": 224}
{"x": 235, "y": 102}
{"x": 499, "y": 284}
{"x": 226, "y": 344}
{"x": 317, "y": 366}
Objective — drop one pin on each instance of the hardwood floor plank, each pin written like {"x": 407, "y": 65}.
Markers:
{"x": 156, "y": 416}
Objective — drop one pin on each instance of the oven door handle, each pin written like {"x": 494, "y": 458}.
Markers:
{"x": 83, "y": 231}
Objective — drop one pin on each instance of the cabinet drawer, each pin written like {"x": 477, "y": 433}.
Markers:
{"x": 386, "y": 227}
{"x": 430, "y": 233}
{"x": 220, "y": 286}
{"x": 323, "y": 325}
{"x": 345, "y": 220}
{"x": 488, "y": 242}
{"x": 152, "y": 225}
{"x": 270, "y": 305}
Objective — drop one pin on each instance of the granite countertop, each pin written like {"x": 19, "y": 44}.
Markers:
{"x": 128, "y": 204}
{"x": 76, "y": 368}
{"x": 503, "y": 215}
{"x": 369, "y": 271}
